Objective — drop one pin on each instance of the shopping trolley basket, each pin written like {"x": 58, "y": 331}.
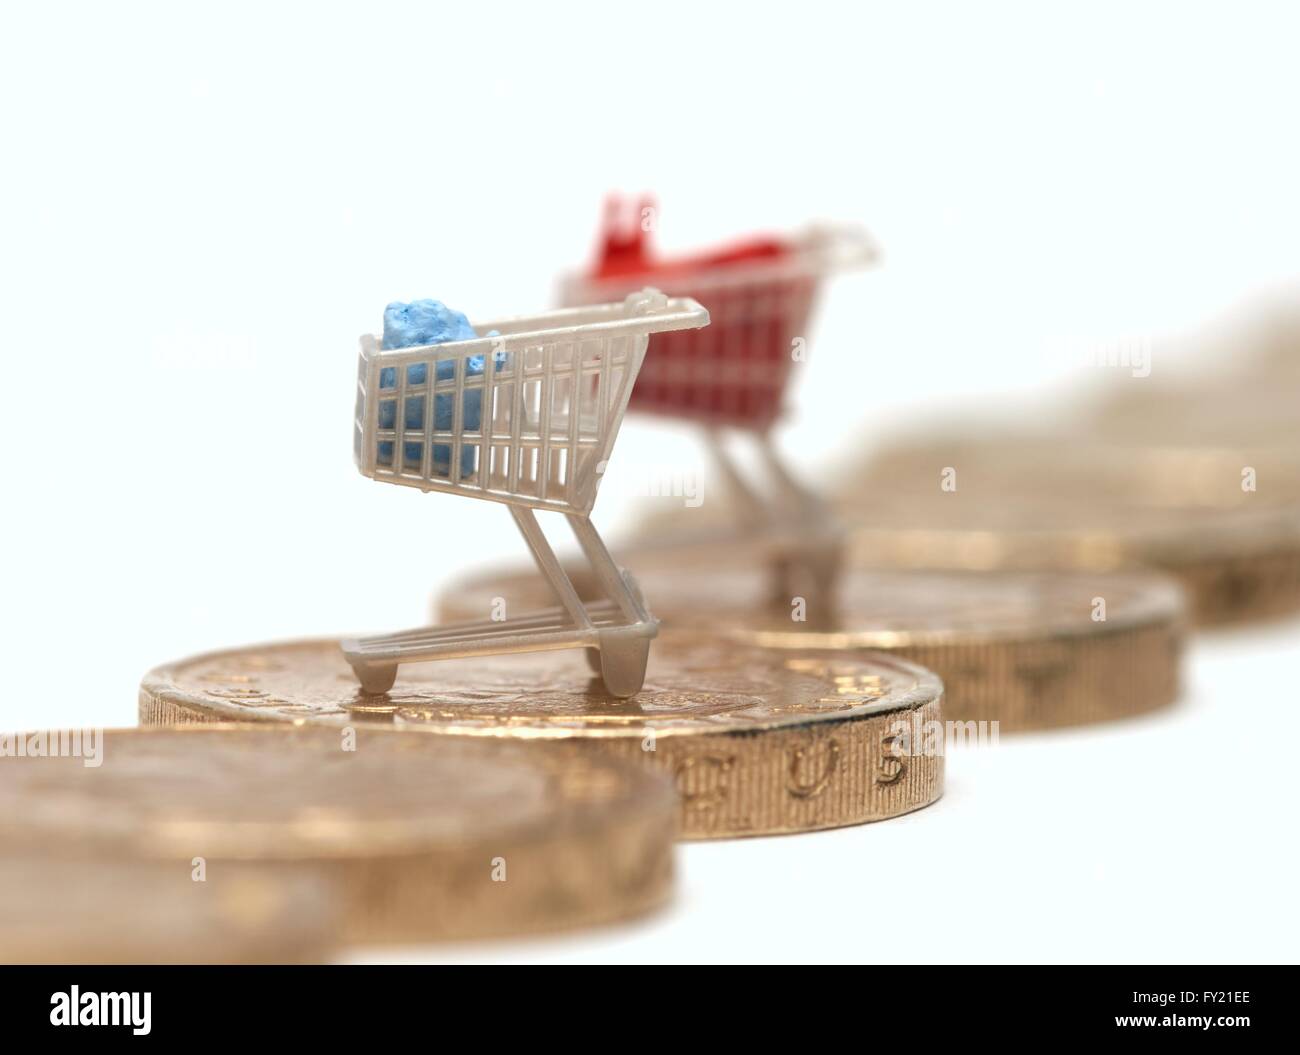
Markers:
{"x": 733, "y": 375}
{"x": 527, "y": 417}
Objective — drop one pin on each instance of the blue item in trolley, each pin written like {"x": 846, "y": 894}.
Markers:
{"x": 413, "y": 325}
{"x": 423, "y": 322}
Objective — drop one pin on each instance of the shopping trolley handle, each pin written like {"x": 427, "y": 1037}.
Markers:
{"x": 843, "y": 246}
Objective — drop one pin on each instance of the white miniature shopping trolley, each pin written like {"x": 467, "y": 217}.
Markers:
{"x": 527, "y": 417}
{"x": 733, "y": 377}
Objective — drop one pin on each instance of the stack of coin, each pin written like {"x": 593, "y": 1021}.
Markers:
{"x": 758, "y": 741}
{"x": 1224, "y": 522}
{"x": 1024, "y": 650}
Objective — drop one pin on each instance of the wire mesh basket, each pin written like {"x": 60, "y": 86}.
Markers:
{"x": 528, "y": 417}
{"x": 734, "y": 373}
{"x": 734, "y": 376}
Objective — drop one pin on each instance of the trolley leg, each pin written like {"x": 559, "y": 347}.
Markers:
{"x": 612, "y": 578}
{"x": 806, "y": 505}
{"x": 750, "y": 509}
{"x": 811, "y": 573}
{"x": 623, "y": 660}
{"x": 376, "y": 679}
{"x": 625, "y": 650}
{"x": 784, "y": 581}
{"x": 826, "y": 568}
{"x": 549, "y": 566}
{"x": 812, "y": 568}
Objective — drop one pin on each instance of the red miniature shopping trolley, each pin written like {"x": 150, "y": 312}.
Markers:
{"x": 527, "y": 417}
{"x": 734, "y": 374}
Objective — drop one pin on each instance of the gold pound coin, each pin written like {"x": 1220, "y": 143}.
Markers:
{"x": 1225, "y": 523}
{"x": 103, "y": 910}
{"x": 1255, "y": 410}
{"x": 424, "y": 838}
{"x": 1027, "y": 650}
{"x": 1239, "y": 386}
{"x": 757, "y": 741}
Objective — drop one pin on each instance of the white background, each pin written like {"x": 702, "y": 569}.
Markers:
{"x": 201, "y": 210}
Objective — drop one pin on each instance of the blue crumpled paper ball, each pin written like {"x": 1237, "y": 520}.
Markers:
{"x": 424, "y": 322}
{"x": 413, "y": 325}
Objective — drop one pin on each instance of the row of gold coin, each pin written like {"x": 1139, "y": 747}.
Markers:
{"x": 1019, "y": 581}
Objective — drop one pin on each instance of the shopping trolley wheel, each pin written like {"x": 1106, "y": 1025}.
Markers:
{"x": 623, "y": 661}
{"x": 593, "y": 659}
{"x": 375, "y": 680}
{"x": 813, "y": 573}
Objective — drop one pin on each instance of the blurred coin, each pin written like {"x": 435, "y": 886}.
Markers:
{"x": 1029, "y": 650}
{"x": 758, "y": 741}
{"x": 426, "y": 838}
{"x": 1248, "y": 407}
{"x": 1254, "y": 411}
{"x": 1241, "y": 387}
{"x": 104, "y": 910}
{"x": 1273, "y": 343}
{"x": 1225, "y": 523}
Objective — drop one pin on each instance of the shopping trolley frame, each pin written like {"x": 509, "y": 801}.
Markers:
{"x": 797, "y": 530}
{"x": 527, "y": 362}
